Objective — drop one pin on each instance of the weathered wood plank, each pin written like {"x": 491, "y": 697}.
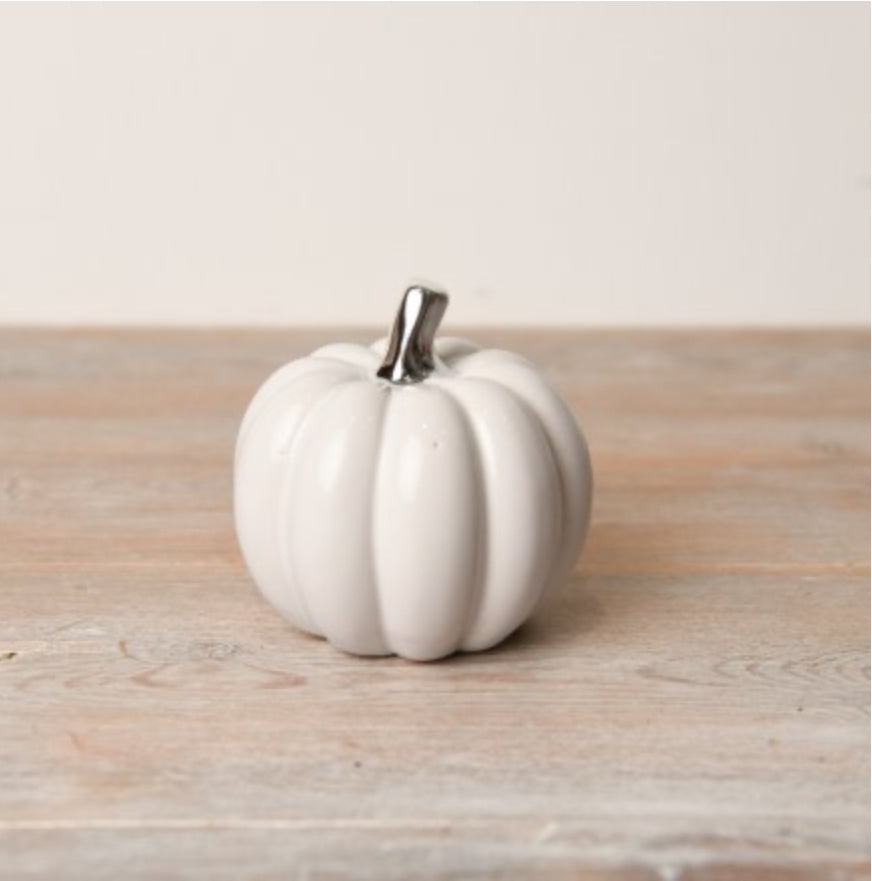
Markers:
{"x": 694, "y": 705}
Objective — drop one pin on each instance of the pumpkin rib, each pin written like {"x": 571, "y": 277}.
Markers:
{"x": 575, "y": 476}
{"x": 328, "y": 512}
{"x": 481, "y": 633}
{"x": 424, "y": 519}
{"x": 563, "y": 515}
{"x": 352, "y": 354}
{"x": 291, "y": 580}
{"x": 482, "y": 543}
{"x": 373, "y": 540}
{"x": 467, "y": 363}
{"x": 534, "y": 415}
{"x": 278, "y": 382}
{"x": 262, "y": 457}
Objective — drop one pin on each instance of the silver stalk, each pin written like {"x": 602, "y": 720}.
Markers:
{"x": 409, "y": 357}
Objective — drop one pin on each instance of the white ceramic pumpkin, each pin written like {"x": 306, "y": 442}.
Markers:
{"x": 413, "y": 498}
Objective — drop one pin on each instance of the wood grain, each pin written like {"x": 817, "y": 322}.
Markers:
{"x": 695, "y": 705}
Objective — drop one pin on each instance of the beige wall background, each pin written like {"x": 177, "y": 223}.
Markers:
{"x": 548, "y": 163}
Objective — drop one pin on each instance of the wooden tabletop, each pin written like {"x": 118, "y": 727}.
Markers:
{"x": 693, "y": 706}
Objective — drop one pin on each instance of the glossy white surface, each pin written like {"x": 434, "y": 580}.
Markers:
{"x": 415, "y": 520}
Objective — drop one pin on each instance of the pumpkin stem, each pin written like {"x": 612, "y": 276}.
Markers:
{"x": 409, "y": 357}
